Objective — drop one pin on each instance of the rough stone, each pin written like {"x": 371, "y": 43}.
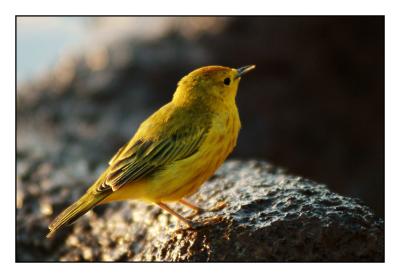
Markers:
{"x": 257, "y": 212}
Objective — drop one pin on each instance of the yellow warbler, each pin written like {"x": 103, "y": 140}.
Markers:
{"x": 175, "y": 150}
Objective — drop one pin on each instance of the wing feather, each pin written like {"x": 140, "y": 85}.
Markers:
{"x": 142, "y": 158}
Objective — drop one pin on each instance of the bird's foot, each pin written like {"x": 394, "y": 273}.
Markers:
{"x": 196, "y": 210}
{"x": 218, "y": 206}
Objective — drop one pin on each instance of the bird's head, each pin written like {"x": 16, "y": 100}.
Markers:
{"x": 210, "y": 86}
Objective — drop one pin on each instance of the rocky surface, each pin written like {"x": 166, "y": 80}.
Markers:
{"x": 256, "y": 213}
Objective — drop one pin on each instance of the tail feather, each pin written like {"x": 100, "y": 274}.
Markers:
{"x": 74, "y": 211}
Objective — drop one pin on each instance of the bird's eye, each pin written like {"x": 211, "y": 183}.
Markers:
{"x": 227, "y": 81}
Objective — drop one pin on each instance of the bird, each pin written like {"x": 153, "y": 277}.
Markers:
{"x": 174, "y": 151}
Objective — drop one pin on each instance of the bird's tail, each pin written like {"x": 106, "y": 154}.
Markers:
{"x": 74, "y": 211}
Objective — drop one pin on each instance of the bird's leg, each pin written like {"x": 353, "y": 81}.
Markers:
{"x": 188, "y": 204}
{"x": 180, "y": 217}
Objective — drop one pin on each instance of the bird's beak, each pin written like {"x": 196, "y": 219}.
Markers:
{"x": 243, "y": 70}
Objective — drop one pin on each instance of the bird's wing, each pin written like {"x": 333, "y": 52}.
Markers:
{"x": 143, "y": 157}
{"x": 120, "y": 150}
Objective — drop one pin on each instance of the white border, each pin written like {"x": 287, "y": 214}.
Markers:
{"x": 211, "y": 7}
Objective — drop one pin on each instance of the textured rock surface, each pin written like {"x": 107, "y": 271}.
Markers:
{"x": 268, "y": 216}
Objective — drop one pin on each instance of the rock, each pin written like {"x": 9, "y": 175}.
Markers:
{"x": 257, "y": 212}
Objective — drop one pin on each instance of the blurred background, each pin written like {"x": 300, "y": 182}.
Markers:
{"x": 314, "y": 105}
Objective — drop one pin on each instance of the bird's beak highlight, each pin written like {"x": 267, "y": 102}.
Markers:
{"x": 243, "y": 70}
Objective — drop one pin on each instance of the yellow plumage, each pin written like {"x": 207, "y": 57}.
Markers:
{"x": 175, "y": 150}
